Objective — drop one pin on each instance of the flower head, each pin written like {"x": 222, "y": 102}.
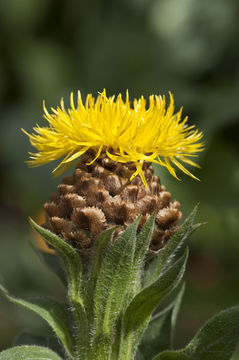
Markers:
{"x": 127, "y": 133}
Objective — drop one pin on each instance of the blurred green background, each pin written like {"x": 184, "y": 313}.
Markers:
{"x": 49, "y": 48}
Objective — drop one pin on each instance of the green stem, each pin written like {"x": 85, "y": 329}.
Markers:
{"x": 101, "y": 348}
{"x": 125, "y": 352}
{"x": 81, "y": 330}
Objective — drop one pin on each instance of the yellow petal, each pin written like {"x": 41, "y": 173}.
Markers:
{"x": 126, "y": 132}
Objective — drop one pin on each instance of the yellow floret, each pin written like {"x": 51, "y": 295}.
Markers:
{"x": 126, "y": 133}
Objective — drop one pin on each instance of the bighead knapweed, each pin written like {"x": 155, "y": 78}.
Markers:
{"x": 115, "y": 143}
{"x": 115, "y": 231}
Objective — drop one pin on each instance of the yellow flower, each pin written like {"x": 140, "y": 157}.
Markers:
{"x": 126, "y": 132}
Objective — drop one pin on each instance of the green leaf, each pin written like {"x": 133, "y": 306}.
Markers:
{"x": 159, "y": 334}
{"x": 99, "y": 250}
{"x": 111, "y": 290}
{"x": 143, "y": 240}
{"x": 235, "y": 356}
{"x": 175, "y": 312}
{"x": 155, "y": 339}
{"x": 174, "y": 355}
{"x": 72, "y": 262}
{"x": 135, "y": 283}
{"x": 25, "y": 338}
{"x": 139, "y": 311}
{"x": 97, "y": 256}
{"x": 67, "y": 253}
{"x": 51, "y": 311}
{"x": 144, "y": 303}
{"x": 141, "y": 248}
{"x": 167, "y": 255}
{"x": 29, "y": 353}
{"x": 114, "y": 278}
{"x": 217, "y": 339}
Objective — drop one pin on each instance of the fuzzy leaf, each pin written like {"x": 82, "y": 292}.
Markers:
{"x": 67, "y": 253}
{"x": 217, "y": 339}
{"x": 141, "y": 248}
{"x": 51, "y": 311}
{"x": 97, "y": 256}
{"x": 114, "y": 278}
{"x": 100, "y": 247}
{"x": 159, "y": 334}
{"x": 25, "y": 338}
{"x": 173, "y": 355}
{"x": 154, "y": 338}
{"x": 175, "y": 312}
{"x": 139, "y": 311}
{"x": 73, "y": 267}
{"x": 28, "y": 352}
{"x": 167, "y": 255}
{"x": 143, "y": 240}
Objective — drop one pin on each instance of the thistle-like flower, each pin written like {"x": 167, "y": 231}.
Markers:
{"x": 125, "y": 133}
{"x": 114, "y": 182}
{"x": 113, "y": 286}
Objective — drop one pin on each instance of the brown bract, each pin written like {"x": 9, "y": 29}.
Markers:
{"x": 101, "y": 195}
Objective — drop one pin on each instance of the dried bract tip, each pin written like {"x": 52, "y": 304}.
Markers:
{"x": 89, "y": 218}
{"x": 98, "y": 198}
